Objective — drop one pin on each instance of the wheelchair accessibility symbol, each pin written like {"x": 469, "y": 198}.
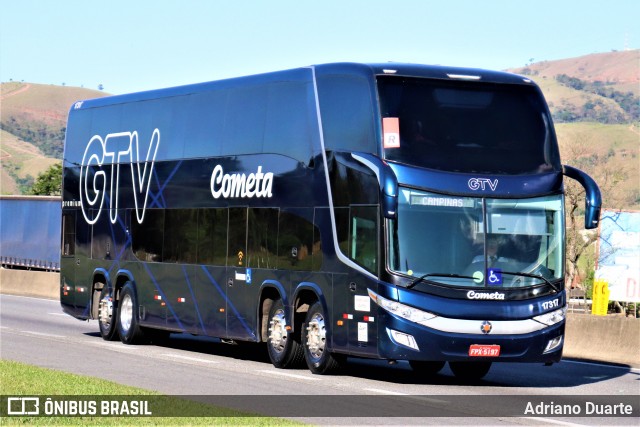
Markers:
{"x": 494, "y": 277}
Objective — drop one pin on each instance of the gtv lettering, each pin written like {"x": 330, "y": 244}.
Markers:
{"x": 482, "y": 183}
{"x": 100, "y": 168}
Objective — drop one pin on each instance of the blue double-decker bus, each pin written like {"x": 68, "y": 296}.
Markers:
{"x": 387, "y": 211}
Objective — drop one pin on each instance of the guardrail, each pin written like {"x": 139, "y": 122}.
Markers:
{"x": 29, "y": 263}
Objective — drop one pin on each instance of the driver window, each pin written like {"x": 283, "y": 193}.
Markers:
{"x": 363, "y": 243}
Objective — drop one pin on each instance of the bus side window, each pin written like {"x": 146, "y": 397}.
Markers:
{"x": 287, "y": 129}
{"x": 147, "y": 238}
{"x": 262, "y": 238}
{"x": 68, "y": 234}
{"x": 212, "y": 236}
{"x": 347, "y": 113}
{"x": 237, "y": 241}
{"x": 180, "y": 236}
{"x": 295, "y": 242}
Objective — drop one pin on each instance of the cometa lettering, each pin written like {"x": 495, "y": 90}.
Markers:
{"x": 483, "y": 295}
{"x": 240, "y": 185}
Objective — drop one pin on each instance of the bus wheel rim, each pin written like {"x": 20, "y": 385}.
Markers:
{"x": 316, "y": 336}
{"x": 106, "y": 310}
{"x": 278, "y": 331}
{"x": 126, "y": 313}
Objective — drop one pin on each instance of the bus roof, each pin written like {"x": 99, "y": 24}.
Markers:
{"x": 343, "y": 68}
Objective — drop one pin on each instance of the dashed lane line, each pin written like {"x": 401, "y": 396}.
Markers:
{"x": 550, "y": 421}
{"x": 42, "y": 334}
{"x": 389, "y": 392}
{"x": 188, "y": 358}
{"x": 286, "y": 374}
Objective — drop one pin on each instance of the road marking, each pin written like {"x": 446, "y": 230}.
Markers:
{"x": 61, "y": 314}
{"x": 285, "y": 374}
{"x": 24, "y": 297}
{"x": 114, "y": 346}
{"x": 42, "y": 334}
{"x": 381, "y": 391}
{"x": 550, "y": 421}
{"x": 430, "y": 400}
{"x": 191, "y": 359}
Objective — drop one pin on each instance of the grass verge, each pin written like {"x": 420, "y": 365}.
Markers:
{"x": 19, "y": 379}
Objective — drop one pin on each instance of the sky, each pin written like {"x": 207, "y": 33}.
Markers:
{"x": 135, "y": 45}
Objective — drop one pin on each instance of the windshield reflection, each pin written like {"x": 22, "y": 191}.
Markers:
{"x": 471, "y": 242}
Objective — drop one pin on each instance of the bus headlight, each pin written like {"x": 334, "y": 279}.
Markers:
{"x": 553, "y": 344}
{"x": 552, "y": 317}
{"x": 401, "y": 310}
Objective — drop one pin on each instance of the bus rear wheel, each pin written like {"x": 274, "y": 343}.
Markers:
{"x": 128, "y": 322}
{"x": 470, "y": 371}
{"x": 107, "y": 314}
{"x": 314, "y": 340}
{"x": 284, "y": 350}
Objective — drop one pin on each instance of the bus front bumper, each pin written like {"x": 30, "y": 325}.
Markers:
{"x": 400, "y": 339}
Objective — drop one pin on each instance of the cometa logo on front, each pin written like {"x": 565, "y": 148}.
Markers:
{"x": 483, "y": 295}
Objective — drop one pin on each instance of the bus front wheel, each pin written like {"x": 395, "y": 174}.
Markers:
{"x": 471, "y": 371}
{"x": 314, "y": 340}
{"x": 284, "y": 350}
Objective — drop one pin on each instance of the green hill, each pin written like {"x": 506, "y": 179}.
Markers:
{"x": 33, "y": 122}
{"x": 38, "y": 113}
{"x": 21, "y": 164}
{"x": 610, "y": 153}
{"x": 603, "y": 87}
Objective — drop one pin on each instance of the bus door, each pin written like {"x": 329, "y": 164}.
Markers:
{"x": 239, "y": 280}
{"x": 362, "y": 248}
{"x": 75, "y": 279}
{"x": 68, "y": 260}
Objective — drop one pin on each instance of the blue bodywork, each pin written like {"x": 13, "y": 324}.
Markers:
{"x": 131, "y": 158}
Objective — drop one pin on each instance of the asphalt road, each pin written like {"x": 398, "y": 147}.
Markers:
{"x": 35, "y": 331}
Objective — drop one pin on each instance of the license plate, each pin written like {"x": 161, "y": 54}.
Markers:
{"x": 478, "y": 350}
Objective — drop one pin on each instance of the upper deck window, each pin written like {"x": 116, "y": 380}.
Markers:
{"x": 468, "y": 127}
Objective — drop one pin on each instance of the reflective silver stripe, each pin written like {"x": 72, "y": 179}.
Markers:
{"x": 368, "y": 164}
{"x": 499, "y": 327}
{"x": 342, "y": 257}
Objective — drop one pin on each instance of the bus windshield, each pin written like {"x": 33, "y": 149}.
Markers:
{"x": 468, "y": 127}
{"x": 475, "y": 242}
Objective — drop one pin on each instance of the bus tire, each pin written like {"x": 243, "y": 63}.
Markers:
{"x": 107, "y": 314}
{"x": 426, "y": 368}
{"x": 128, "y": 322}
{"x": 314, "y": 339}
{"x": 470, "y": 371}
{"x": 284, "y": 349}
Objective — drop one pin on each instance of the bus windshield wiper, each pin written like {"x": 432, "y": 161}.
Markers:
{"x": 533, "y": 276}
{"x": 424, "y": 277}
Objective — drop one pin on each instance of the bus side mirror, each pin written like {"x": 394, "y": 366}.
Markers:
{"x": 593, "y": 199}
{"x": 387, "y": 181}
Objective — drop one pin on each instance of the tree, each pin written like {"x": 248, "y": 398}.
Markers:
{"x": 579, "y": 152}
{"x": 48, "y": 183}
